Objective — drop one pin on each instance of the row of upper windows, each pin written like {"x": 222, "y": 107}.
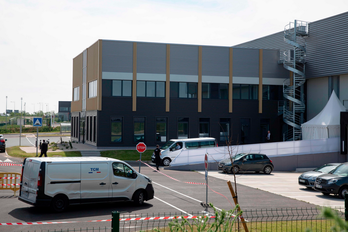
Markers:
{"x": 190, "y": 90}
{"x": 123, "y": 88}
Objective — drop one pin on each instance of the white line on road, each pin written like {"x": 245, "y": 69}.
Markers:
{"x": 173, "y": 206}
{"x": 181, "y": 193}
{"x": 30, "y": 142}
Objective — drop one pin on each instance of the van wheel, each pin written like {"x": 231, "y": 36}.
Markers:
{"x": 139, "y": 197}
{"x": 166, "y": 162}
{"x": 267, "y": 170}
{"x": 59, "y": 203}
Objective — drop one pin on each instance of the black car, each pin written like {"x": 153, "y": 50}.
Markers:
{"x": 2, "y": 143}
{"x": 308, "y": 178}
{"x": 335, "y": 182}
{"x": 245, "y": 162}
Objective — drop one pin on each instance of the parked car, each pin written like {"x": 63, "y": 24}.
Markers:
{"x": 247, "y": 162}
{"x": 335, "y": 182}
{"x": 2, "y": 143}
{"x": 308, "y": 178}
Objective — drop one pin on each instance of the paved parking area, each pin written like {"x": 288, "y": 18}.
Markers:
{"x": 281, "y": 183}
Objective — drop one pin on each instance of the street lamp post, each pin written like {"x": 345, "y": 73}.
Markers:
{"x": 20, "y": 123}
{"x": 6, "y": 112}
{"x": 14, "y": 107}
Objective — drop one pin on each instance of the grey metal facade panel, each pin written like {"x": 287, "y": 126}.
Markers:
{"x": 271, "y": 68}
{"x": 117, "y": 56}
{"x": 327, "y": 47}
{"x": 245, "y": 62}
{"x": 151, "y": 58}
{"x": 215, "y": 61}
{"x": 184, "y": 59}
{"x": 274, "y": 41}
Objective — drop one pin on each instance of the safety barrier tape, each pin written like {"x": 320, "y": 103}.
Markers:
{"x": 9, "y": 164}
{"x": 9, "y": 184}
{"x": 105, "y": 220}
{"x": 9, "y": 178}
{"x": 188, "y": 182}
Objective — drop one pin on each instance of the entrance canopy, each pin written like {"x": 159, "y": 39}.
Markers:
{"x": 327, "y": 123}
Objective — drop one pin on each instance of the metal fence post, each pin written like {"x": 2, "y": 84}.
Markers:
{"x": 115, "y": 223}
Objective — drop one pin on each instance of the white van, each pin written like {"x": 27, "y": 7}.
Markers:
{"x": 175, "y": 146}
{"x": 61, "y": 181}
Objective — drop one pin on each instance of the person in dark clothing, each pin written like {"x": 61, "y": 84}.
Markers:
{"x": 44, "y": 148}
{"x": 157, "y": 152}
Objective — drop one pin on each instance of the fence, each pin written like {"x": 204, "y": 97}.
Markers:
{"x": 277, "y": 149}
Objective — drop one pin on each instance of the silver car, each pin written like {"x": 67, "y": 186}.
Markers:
{"x": 308, "y": 178}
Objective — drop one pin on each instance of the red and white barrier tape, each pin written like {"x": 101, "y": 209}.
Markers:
{"x": 188, "y": 182}
{"x": 9, "y": 178}
{"x": 8, "y": 184}
{"x": 9, "y": 164}
{"x": 106, "y": 220}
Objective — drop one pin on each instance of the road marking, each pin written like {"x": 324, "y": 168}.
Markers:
{"x": 30, "y": 142}
{"x": 173, "y": 206}
{"x": 181, "y": 194}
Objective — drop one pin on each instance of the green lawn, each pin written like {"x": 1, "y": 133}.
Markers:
{"x": 127, "y": 155}
{"x": 17, "y": 152}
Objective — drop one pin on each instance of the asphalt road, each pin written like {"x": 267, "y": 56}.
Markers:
{"x": 172, "y": 196}
{"x": 29, "y": 139}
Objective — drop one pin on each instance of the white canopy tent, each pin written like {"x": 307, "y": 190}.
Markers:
{"x": 327, "y": 123}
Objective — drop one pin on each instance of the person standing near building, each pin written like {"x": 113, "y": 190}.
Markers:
{"x": 157, "y": 152}
{"x": 44, "y": 148}
{"x": 268, "y": 136}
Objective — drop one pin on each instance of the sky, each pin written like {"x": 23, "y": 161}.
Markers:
{"x": 40, "y": 38}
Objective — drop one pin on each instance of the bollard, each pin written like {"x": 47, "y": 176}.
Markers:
{"x": 346, "y": 206}
{"x": 115, "y": 223}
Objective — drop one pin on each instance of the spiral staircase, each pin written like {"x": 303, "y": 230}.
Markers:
{"x": 293, "y": 88}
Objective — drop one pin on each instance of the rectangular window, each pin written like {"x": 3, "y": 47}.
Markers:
{"x": 244, "y": 91}
{"x": 92, "y": 89}
{"x": 160, "y": 89}
{"x": 254, "y": 93}
{"x": 77, "y": 93}
{"x": 183, "y": 128}
{"x": 90, "y": 129}
{"x": 139, "y": 129}
{"x": 121, "y": 88}
{"x": 206, "y": 90}
{"x": 150, "y": 89}
{"x": 65, "y": 109}
{"x": 223, "y": 93}
{"x": 116, "y": 130}
{"x": 174, "y": 89}
{"x": 183, "y": 90}
{"x": 161, "y": 129}
{"x": 192, "y": 90}
{"x": 126, "y": 88}
{"x": 264, "y": 128}
{"x": 204, "y": 127}
{"x": 116, "y": 88}
{"x": 265, "y": 92}
{"x": 224, "y": 129}
{"x": 245, "y": 130}
{"x": 214, "y": 91}
{"x": 140, "y": 88}
{"x": 236, "y": 91}
{"x": 94, "y": 128}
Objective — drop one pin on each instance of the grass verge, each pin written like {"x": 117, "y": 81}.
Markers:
{"x": 17, "y": 152}
{"x": 127, "y": 155}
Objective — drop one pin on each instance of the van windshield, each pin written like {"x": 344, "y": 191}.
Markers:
{"x": 168, "y": 144}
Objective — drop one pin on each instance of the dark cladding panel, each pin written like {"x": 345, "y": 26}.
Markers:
{"x": 184, "y": 59}
{"x": 215, "y": 61}
{"x": 117, "y": 56}
{"x": 151, "y": 58}
{"x": 245, "y": 62}
{"x": 271, "y": 68}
